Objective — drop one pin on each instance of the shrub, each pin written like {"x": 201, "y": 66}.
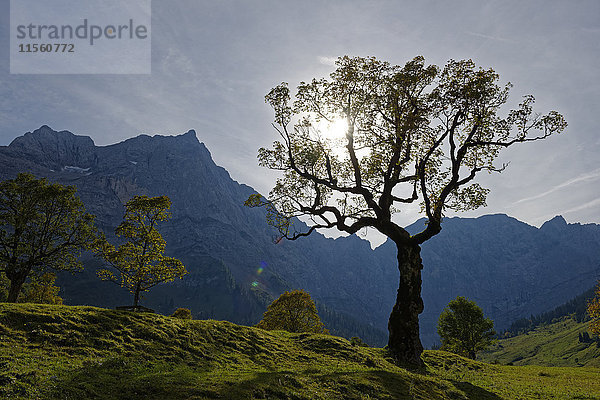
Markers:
{"x": 182, "y": 313}
{"x": 356, "y": 341}
{"x": 293, "y": 311}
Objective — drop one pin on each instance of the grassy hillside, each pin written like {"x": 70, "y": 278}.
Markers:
{"x": 61, "y": 352}
{"x": 576, "y": 308}
{"x": 554, "y": 344}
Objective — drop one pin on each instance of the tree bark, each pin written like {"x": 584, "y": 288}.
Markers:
{"x": 136, "y": 296}
{"x": 16, "y": 283}
{"x": 404, "y": 342}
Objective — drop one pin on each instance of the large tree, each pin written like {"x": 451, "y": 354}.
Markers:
{"x": 42, "y": 225}
{"x": 140, "y": 262}
{"x": 413, "y": 133}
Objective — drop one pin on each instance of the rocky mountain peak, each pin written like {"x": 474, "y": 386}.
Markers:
{"x": 190, "y": 134}
{"x": 55, "y": 149}
{"x": 556, "y": 223}
{"x": 45, "y": 135}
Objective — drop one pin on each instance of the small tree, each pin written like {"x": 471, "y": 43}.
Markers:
{"x": 41, "y": 290}
{"x": 593, "y": 310}
{"x": 42, "y": 225}
{"x": 140, "y": 261}
{"x": 463, "y": 328}
{"x": 293, "y": 311}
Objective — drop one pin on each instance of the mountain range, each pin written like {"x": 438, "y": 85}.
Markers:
{"x": 511, "y": 269}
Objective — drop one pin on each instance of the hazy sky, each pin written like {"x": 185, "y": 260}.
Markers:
{"x": 213, "y": 62}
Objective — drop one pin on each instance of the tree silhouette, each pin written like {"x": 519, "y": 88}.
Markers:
{"x": 412, "y": 134}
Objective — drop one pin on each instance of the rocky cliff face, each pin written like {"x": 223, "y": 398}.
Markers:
{"x": 508, "y": 267}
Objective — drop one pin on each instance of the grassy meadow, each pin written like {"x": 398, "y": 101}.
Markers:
{"x": 65, "y": 352}
{"x": 555, "y": 344}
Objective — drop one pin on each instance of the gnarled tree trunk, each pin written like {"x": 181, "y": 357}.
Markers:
{"x": 136, "y": 296}
{"x": 16, "y": 283}
{"x": 404, "y": 341}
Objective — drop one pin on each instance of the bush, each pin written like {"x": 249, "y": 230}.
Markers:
{"x": 356, "y": 341}
{"x": 182, "y": 313}
{"x": 294, "y": 312}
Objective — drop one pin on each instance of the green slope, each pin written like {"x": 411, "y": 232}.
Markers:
{"x": 62, "y": 352}
{"x": 555, "y": 344}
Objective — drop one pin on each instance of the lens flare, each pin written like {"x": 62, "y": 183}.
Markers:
{"x": 259, "y": 271}
{"x": 262, "y": 267}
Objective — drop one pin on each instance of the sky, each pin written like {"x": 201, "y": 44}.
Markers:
{"x": 212, "y": 62}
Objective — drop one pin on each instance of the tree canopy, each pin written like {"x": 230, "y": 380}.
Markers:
{"x": 140, "y": 261}
{"x": 293, "y": 311}
{"x": 463, "y": 328}
{"x": 410, "y": 134}
{"x": 42, "y": 225}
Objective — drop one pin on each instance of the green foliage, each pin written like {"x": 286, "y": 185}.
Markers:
{"x": 416, "y": 129}
{"x": 294, "y": 312}
{"x": 61, "y": 352}
{"x": 356, "y": 341}
{"x": 463, "y": 328}
{"x": 593, "y": 310}
{"x": 140, "y": 262}
{"x": 42, "y": 225}
{"x": 182, "y": 313}
{"x": 41, "y": 290}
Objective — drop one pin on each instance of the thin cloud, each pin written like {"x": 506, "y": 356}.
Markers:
{"x": 489, "y": 37}
{"x": 589, "y": 204}
{"x": 592, "y": 176}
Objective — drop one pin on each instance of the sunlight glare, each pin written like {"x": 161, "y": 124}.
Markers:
{"x": 335, "y": 129}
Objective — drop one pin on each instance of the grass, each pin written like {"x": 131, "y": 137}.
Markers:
{"x": 62, "y": 352}
{"x": 555, "y": 344}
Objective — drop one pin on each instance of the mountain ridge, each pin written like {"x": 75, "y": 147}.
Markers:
{"x": 224, "y": 243}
